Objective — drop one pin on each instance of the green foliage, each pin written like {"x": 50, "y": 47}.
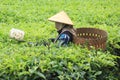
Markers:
{"x": 23, "y": 61}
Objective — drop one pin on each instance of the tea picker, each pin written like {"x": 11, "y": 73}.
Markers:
{"x": 64, "y": 26}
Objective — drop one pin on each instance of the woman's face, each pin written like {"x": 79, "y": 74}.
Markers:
{"x": 59, "y": 26}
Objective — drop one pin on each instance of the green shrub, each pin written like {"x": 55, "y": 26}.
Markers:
{"x": 38, "y": 61}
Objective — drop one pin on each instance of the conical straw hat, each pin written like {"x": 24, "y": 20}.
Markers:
{"x": 61, "y": 17}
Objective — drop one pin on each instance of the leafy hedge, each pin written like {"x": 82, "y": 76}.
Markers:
{"x": 57, "y": 63}
{"x": 38, "y": 61}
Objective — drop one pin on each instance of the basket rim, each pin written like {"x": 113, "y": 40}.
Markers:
{"x": 103, "y": 36}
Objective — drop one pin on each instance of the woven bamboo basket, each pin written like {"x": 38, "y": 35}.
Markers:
{"x": 91, "y": 37}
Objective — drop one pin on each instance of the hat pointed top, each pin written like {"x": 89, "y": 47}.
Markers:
{"x": 61, "y": 17}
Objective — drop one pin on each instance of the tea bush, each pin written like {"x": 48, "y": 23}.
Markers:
{"x": 41, "y": 61}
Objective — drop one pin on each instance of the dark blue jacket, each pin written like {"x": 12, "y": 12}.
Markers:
{"x": 64, "y": 38}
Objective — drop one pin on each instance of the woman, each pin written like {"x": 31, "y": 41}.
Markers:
{"x": 64, "y": 26}
{"x": 66, "y": 33}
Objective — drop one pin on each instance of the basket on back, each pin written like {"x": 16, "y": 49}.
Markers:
{"x": 91, "y": 37}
